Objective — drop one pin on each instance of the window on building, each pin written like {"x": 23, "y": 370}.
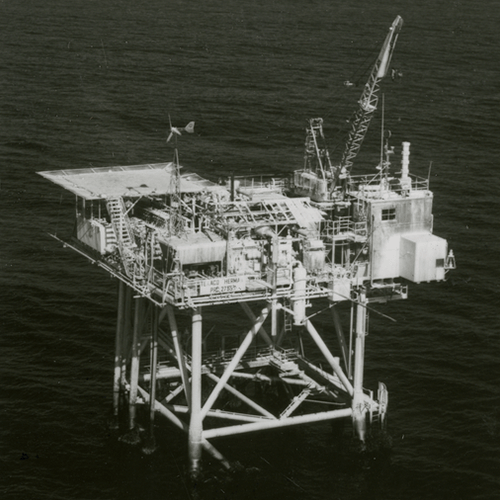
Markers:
{"x": 388, "y": 213}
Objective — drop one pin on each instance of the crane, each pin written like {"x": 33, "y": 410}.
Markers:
{"x": 369, "y": 99}
{"x": 319, "y": 179}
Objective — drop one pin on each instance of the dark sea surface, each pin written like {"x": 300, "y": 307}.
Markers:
{"x": 91, "y": 83}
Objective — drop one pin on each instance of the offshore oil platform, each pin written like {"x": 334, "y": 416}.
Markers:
{"x": 285, "y": 250}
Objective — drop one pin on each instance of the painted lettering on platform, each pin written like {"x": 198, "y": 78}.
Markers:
{"x": 223, "y": 285}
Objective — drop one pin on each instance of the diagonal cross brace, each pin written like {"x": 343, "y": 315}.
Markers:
{"x": 234, "y": 362}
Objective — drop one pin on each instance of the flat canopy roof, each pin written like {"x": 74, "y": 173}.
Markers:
{"x": 130, "y": 181}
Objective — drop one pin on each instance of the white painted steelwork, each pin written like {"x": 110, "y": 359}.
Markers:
{"x": 186, "y": 250}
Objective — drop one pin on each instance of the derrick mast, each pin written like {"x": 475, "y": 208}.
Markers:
{"x": 317, "y": 157}
{"x": 316, "y": 178}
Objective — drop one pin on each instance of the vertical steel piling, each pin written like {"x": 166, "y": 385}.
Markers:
{"x": 196, "y": 421}
{"x": 358, "y": 405}
{"x": 120, "y": 326}
{"x": 153, "y": 364}
{"x": 134, "y": 364}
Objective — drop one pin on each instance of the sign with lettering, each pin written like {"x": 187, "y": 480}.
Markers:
{"x": 223, "y": 285}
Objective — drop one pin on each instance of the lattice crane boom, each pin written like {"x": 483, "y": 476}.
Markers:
{"x": 369, "y": 98}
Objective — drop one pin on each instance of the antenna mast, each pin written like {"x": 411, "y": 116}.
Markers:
{"x": 176, "y": 225}
{"x": 176, "y": 220}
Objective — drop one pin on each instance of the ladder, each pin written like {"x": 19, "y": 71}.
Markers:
{"x": 123, "y": 233}
{"x": 120, "y": 222}
{"x": 287, "y": 317}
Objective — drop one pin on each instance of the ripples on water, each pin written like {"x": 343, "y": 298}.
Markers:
{"x": 91, "y": 84}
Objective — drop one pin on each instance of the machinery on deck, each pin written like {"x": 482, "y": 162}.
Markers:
{"x": 284, "y": 250}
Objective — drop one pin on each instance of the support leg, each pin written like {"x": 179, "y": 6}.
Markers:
{"x": 154, "y": 362}
{"x": 340, "y": 337}
{"x": 118, "y": 353}
{"x": 150, "y": 445}
{"x": 132, "y": 437}
{"x": 196, "y": 421}
{"x": 134, "y": 368}
{"x": 127, "y": 330}
{"x": 179, "y": 352}
{"x": 358, "y": 404}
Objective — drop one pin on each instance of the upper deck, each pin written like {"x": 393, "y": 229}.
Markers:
{"x": 132, "y": 181}
{"x": 183, "y": 240}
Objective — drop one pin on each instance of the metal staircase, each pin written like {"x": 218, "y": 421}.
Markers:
{"x": 123, "y": 234}
{"x": 120, "y": 222}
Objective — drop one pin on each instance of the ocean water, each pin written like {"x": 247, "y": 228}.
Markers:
{"x": 87, "y": 83}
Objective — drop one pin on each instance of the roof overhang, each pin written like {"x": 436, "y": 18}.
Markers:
{"x": 132, "y": 181}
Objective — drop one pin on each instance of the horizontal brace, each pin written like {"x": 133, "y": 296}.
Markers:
{"x": 259, "y": 377}
{"x": 228, "y": 415}
{"x": 274, "y": 424}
